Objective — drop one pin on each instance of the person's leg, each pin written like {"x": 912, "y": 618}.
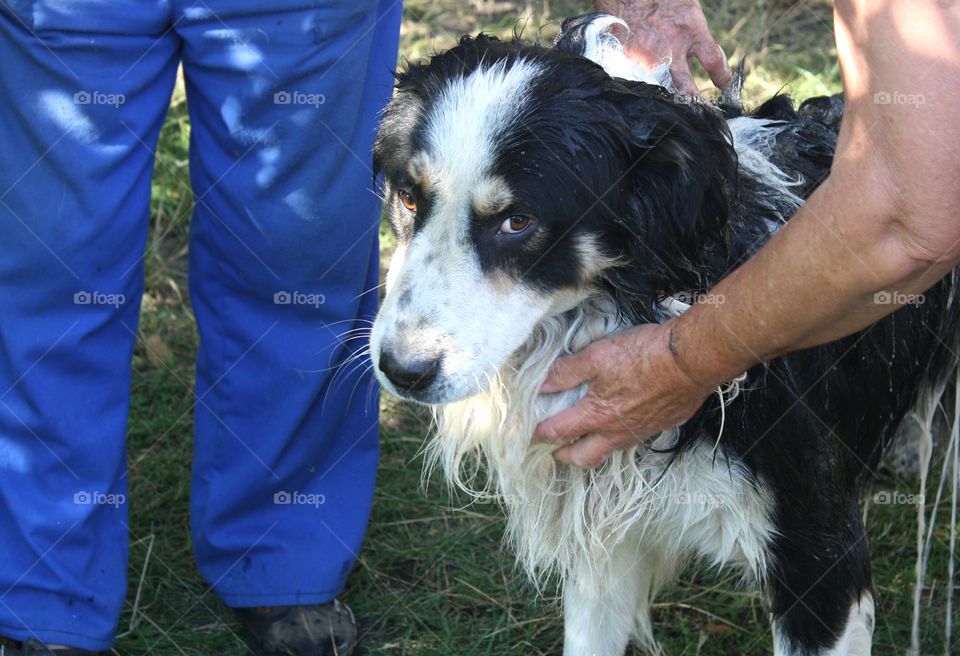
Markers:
{"x": 84, "y": 99}
{"x": 283, "y": 270}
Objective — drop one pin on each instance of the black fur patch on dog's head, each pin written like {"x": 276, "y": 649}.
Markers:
{"x": 641, "y": 176}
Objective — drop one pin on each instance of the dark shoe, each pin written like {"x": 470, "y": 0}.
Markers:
{"x": 327, "y": 630}
{"x": 33, "y": 648}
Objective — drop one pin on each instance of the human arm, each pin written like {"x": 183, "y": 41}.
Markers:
{"x": 670, "y": 29}
{"x": 887, "y": 218}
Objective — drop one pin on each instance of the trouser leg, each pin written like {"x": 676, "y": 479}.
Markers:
{"x": 84, "y": 98}
{"x": 283, "y": 273}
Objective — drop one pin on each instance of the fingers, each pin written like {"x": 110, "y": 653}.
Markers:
{"x": 591, "y": 450}
{"x": 682, "y": 77}
{"x": 568, "y": 372}
{"x": 588, "y": 452}
{"x": 714, "y": 61}
{"x": 567, "y": 425}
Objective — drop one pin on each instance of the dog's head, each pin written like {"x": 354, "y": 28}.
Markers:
{"x": 520, "y": 180}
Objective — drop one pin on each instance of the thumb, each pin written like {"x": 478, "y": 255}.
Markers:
{"x": 568, "y": 372}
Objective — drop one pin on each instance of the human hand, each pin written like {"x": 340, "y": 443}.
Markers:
{"x": 636, "y": 389}
{"x": 674, "y": 29}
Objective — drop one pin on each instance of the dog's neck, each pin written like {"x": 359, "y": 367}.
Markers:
{"x": 491, "y": 432}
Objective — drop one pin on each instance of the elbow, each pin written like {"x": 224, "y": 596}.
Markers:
{"x": 927, "y": 238}
{"x": 903, "y": 228}
{"x": 922, "y": 216}
{"x": 918, "y": 222}
{"x": 921, "y": 247}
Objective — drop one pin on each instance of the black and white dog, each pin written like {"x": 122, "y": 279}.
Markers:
{"x": 542, "y": 201}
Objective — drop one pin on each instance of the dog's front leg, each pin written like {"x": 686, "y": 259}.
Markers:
{"x": 599, "y": 615}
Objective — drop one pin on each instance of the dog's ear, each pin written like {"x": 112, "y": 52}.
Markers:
{"x": 391, "y": 148}
{"x": 672, "y": 203}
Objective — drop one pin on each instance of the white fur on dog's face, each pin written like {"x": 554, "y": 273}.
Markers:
{"x": 440, "y": 302}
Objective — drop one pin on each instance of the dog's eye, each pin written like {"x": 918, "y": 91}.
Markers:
{"x": 407, "y": 200}
{"x": 515, "y": 224}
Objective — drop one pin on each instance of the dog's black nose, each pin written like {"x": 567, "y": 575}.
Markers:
{"x": 410, "y": 376}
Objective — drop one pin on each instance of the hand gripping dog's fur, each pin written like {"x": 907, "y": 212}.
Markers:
{"x": 541, "y": 203}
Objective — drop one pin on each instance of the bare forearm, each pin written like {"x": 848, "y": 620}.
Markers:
{"x": 887, "y": 218}
{"x": 854, "y": 271}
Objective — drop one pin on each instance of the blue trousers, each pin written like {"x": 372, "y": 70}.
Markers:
{"x": 283, "y": 100}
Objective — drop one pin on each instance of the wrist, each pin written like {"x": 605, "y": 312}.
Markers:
{"x": 678, "y": 361}
{"x": 706, "y": 369}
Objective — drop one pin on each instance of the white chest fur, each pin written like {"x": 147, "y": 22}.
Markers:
{"x": 575, "y": 522}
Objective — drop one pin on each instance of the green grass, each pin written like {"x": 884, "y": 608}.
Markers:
{"x": 432, "y": 578}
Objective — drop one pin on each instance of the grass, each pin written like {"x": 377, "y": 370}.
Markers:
{"x": 432, "y": 578}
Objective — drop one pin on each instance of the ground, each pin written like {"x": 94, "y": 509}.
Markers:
{"x": 432, "y": 577}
